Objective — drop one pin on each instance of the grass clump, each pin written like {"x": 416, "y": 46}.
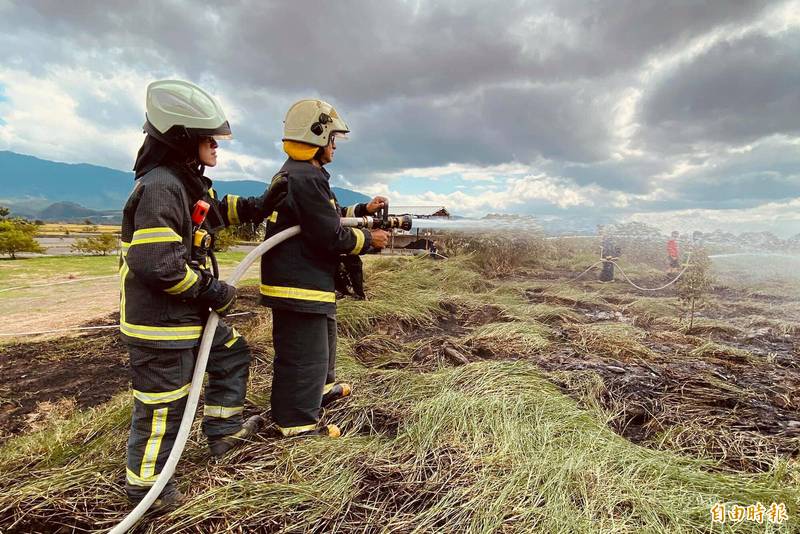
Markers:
{"x": 618, "y": 340}
{"x": 647, "y": 310}
{"x": 510, "y": 339}
{"x": 404, "y": 290}
{"x": 713, "y": 350}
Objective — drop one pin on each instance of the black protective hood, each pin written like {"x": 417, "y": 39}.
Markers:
{"x": 152, "y": 154}
{"x": 155, "y": 153}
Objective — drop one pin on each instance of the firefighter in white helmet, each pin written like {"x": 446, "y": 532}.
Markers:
{"x": 167, "y": 286}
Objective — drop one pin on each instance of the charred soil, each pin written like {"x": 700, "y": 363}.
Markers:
{"x": 84, "y": 369}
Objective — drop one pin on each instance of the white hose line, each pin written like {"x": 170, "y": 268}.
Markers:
{"x": 59, "y": 283}
{"x": 688, "y": 264}
{"x": 197, "y": 383}
{"x": 653, "y": 288}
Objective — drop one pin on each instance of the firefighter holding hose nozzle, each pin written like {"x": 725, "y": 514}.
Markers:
{"x": 297, "y": 276}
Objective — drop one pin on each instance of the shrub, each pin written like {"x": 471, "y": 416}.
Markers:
{"x": 18, "y": 235}
{"x": 102, "y": 244}
{"x": 695, "y": 283}
{"x": 225, "y": 239}
{"x": 497, "y": 254}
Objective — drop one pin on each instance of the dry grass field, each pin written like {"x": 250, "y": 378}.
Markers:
{"x": 490, "y": 395}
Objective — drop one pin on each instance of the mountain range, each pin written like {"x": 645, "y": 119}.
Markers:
{"x": 50, "y": 190}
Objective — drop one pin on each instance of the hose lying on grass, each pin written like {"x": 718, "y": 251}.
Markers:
{"x": 197, "y": 382}
{"x": 659, "y": 288}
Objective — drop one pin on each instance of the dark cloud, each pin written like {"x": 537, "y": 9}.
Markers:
{"x": 637, "y": 175}
{"x": 623, "y": 33}
{"x": 768, "y": 172}
{"x": 493, "y": 126}
{"x": 736, "y": 92}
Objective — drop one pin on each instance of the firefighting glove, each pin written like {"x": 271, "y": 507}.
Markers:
{"x": 274, "y": 196}
{"x": 216, "y": 294}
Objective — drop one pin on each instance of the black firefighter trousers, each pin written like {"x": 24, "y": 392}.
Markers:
{"x": 161, "y": 381}
{"x": 304, "y": 369}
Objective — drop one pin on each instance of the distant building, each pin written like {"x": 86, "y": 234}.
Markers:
{"x": 422, "y": 212}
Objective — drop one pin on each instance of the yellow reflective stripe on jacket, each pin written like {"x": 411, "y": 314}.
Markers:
{"x": 298, "y": 293}
{"x": 350, "y": 212}
{"x": 273, "y": 218}
{"x": 124, "y": 247}
{"x": 222, "y": 412}
{"x": 212, "y": 193}
{"x": 222, "y": 309}
{"x": 157, "y": 430}
{"x": 294, "y": 430}
{"x": 359, "y": 241}
{"x": 233, "y": 210}
{"x": 136, "y": 480}
{"x": 164, "y": 397}
{"x": 123, "y": 272}
{"x": 233, "y": 339}
{"x": 160, "y": 333}
{"x": 161, "y": 234}
{"x": 153, "y": 333}
{"x": 187, "y": 282}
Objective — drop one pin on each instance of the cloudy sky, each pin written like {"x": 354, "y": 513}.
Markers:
{"x": 684, "y": 113}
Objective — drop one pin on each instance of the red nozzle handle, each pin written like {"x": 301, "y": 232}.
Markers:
{"x": 200, "y": 212}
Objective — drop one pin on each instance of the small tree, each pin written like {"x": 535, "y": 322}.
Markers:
{"x": 225, "y": 239}
{"x": 695, "y": 282}
{"x": 18, "y": 235}
{"x": 102, "y": 244}
{"x": 4, "y": 211}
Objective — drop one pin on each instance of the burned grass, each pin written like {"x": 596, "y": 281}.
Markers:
{"x": 631, "y": 359}
{"x": 434, "y": 444}
{"x": 40, "y": 379}
{"x": 719, "y": 391}
{"x": 89, "y": 369}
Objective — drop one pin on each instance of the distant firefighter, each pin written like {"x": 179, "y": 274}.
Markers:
{"x": 609, "y": 253}
{"x": 673, "y": 254}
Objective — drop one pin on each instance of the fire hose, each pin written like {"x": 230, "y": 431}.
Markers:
{"x": 383, "y": 222}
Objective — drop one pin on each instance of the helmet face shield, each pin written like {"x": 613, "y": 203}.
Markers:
{"x": 223, "y": 132}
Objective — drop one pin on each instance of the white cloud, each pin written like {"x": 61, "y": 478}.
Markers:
{"x": 470, "y": 173}
{"x": 781, "y": 218}
{"x": 236, "y": 166}
{"x": 42, "y": 117}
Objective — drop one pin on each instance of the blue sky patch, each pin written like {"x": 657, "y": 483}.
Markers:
{"x": 444, "y": 184}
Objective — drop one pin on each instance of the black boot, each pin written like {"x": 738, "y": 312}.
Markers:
{"x": 170, "y": 498}
{"x": 219, "y": 446}
{"x": 338, "y": 391}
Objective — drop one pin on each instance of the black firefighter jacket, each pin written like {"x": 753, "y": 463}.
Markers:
{"x": 159, "y": 290}
{"x": 298, "y": 274}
